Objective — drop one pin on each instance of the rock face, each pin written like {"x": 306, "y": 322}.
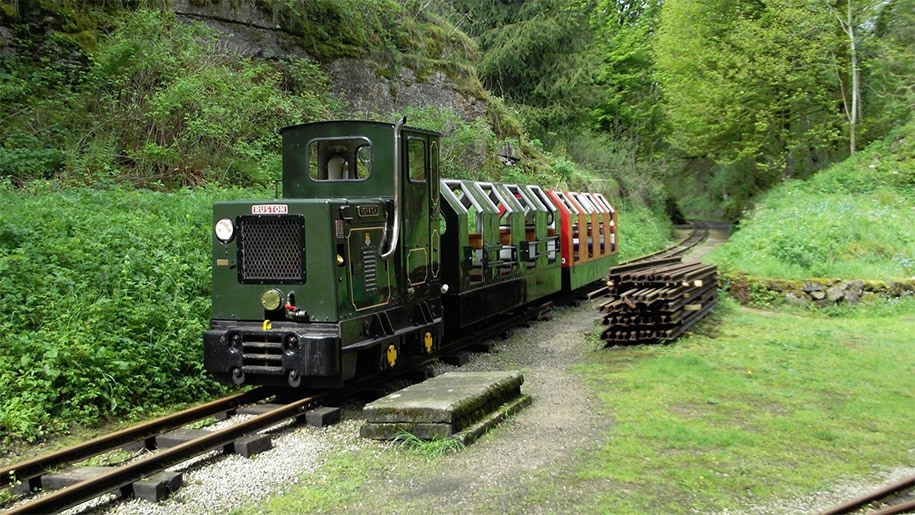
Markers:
{"x": 246, "y": 30}
{"x": 243, "y": 28}
{"x": 368, "y": 92}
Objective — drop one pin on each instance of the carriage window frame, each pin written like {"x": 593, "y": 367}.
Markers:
{"x": 317, "y": 159}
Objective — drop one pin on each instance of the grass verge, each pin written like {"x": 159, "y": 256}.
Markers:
{"x": 752, "y": 408}
{"x": 755, "y": 407}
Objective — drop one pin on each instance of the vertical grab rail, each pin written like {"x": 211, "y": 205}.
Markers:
{"x": 397, "y": 163}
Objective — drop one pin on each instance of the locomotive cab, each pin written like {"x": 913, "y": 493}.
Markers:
{"x": 338, "y": 277}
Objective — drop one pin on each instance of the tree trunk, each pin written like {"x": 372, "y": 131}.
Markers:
{"x": 855, "y": 81}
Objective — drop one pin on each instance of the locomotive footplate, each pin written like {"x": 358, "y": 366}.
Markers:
{"x": 276, "y": 353}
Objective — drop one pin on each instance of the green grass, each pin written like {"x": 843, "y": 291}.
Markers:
{"x": 430, "y": 448}
{"x": 760, "y": 407}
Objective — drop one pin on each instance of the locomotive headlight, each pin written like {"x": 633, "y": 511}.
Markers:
{"x": 272, "y": 300}
{"x": 224, "y": 230}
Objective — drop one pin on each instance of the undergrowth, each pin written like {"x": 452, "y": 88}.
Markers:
{"x": 154, "y": 103}
{"x": 852, "y": 221}
{"x": 105, "y": 296}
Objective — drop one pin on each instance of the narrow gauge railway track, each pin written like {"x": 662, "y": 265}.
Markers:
{"x": 658, "y": 297}
{"x": 122, "y": 477}
{"x": 699, "y": 232}
{"x": 31, "y": 471}
{"x": 898, "y": 497}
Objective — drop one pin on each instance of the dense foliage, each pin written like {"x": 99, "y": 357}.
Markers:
{"x": 536, "y": 54}
{"x": 724, "y": 99}
{"x": 631, "y": 109}
{"x": 105, "y": 296}
{"x": 156, "y": 103}
{"x": 851, "y": 221}
{"x": 765, "y": 91}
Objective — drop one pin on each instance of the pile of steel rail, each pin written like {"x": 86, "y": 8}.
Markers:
{"x": 657, "y": 300}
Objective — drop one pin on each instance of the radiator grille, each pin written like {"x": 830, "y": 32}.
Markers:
{"x": 271, "y": 249}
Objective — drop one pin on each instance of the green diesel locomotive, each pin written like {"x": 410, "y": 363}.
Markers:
{"x": 369, "y": 257}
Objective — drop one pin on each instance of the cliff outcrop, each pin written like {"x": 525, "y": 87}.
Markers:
{"x": 367, "y": 85}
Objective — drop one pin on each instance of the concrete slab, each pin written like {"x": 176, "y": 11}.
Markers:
{"x": 477, "y": 430}
{"x": 425, "y": 431}
{"x": 443, "y": 406}
{"x": 388, "y": 431}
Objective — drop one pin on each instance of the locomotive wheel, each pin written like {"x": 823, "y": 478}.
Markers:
{"x": 390, "y": 355}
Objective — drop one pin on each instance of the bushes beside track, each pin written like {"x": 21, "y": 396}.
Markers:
{"x": 852, "y": 221}
{"x": 104, "y": 295}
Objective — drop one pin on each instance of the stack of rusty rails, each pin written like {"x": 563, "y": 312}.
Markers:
{"x": 657, "y": 300}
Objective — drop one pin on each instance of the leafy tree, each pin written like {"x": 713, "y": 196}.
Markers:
{"x": 874, "y": 65}
{"x": 888, "y": 69}
{"x": 752, "y": 82}
{"x": 538, "y": 54}
{"x": 624, "y": 35}
{"x": 776, "y": 84}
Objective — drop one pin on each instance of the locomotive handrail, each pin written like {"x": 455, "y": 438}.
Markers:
{"x": 397, "y": 197}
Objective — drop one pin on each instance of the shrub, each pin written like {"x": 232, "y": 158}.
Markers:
{"x": 158, "y": 104}
{"x": 105, "y": 296}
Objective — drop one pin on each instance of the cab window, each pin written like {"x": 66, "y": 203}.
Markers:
{"x": 340, "y": 159}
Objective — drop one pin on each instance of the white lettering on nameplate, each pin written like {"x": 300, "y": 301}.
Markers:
{"x": 270, "y": 209}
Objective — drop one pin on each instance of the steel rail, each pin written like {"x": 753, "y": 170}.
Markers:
{"x": 123, "y": 476}
{"x": 906, "y": 507}
{"x": 669, "y": 255}
{"x": 35, "y": 467}
{"x": 881, "y": 493}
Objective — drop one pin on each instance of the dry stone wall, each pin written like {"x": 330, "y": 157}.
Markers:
{"x": 819, "y": 293}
